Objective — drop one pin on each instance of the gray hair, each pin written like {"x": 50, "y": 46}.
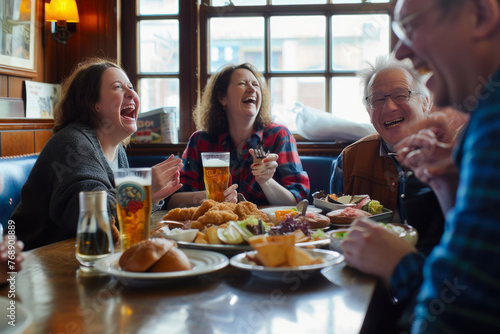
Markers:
{"x": 386, "y": 62}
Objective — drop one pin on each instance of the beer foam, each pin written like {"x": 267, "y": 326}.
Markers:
{"x": 132, "y": 179}
{"x": 215, "y": 163}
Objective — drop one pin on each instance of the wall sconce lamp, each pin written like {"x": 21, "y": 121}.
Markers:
{"x": 60, "y": 13}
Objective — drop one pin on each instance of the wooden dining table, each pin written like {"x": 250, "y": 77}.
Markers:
{"x": 64, "y": 297}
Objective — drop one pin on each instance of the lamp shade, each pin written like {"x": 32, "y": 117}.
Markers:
{"x": 61, "y": 10}
{"x": 25, "y": 10}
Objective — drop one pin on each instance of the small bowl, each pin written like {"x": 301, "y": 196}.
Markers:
{"x": 410, "y": 234}
{"x": 335, "y": 241}
{"x": 176, "y": 234}
{"x": 407, "y": 233}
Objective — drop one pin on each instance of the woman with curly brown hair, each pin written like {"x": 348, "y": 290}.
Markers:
{"x": 234, "y": 115}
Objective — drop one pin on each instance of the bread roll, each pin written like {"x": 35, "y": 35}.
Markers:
{"x": 141, "y": 256}
{"x": 173, "y": 260}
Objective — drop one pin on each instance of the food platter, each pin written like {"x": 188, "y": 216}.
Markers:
{"x": 235, "y": 249}
{"x": 384, "y": 217}
{"x": 329, "y": 258}
{"x": 202, "y": 262}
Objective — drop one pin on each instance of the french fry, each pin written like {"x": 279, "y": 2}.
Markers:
{"x": 280, "y": 251}
{"x": 300, "y": 236}
{"x": 257, "y": 239}
{"x": 197, "y": 225}
{"x": 287, "y": 239}
{"x": 299, "y": 257}
{"x": 272, "y": 254}
{"x": 201, "y": 238}
{"x": 212, "y": 237}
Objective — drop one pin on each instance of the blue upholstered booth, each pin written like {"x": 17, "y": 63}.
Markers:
{"x": 319, "y": 170}
{"x": 14, "y": 172}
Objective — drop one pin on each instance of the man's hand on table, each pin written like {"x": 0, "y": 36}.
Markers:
{"x": 374, "y": 249}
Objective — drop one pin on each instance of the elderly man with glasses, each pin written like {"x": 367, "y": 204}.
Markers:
{"x": 396, "y": 99}
{"x": 457, "y": 288}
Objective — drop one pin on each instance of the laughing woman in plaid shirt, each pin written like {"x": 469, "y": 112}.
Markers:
{"x": 234, "y": 115}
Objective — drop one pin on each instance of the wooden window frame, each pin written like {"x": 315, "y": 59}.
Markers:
{"x": 193, "y": 45}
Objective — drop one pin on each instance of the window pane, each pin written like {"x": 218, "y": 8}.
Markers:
{"x": 346, "y": 100}
{"x": 239, "y": 2}
{"x": 286, "y": 91}
{"x": 157, "y": 93}
{"x": 297, "y": 2}
{"x": 158, "y": 7}
{"x": 298, "y": 43}
{"x": 358, "y": 38}
{"x": 235, "y": 41}
{"x": 159, "y": 46}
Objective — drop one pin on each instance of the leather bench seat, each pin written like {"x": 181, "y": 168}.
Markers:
{"x": 318, "y": 169}
{"x": 14, "y": 172}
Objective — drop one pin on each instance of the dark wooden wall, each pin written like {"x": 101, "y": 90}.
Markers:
{"x": 95, "y": 36}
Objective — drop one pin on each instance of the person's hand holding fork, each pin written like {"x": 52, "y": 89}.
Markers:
{"x": 264, "y": 164}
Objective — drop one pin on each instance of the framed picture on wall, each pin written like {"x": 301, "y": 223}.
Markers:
{"x": 40, "y": 99}
{"x": 17, "y": 36}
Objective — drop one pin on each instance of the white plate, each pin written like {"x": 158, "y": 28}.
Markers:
{"x": 384, "y": 217}
{"x": 234, "y": 249}
{"x": 202, "y": 261}
{"x": 271, "y": 210}
{"x": 23, "y": 317}
{"x": 329, "y": 258}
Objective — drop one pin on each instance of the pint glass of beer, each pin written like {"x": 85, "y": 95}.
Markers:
{"x": 216, "y": 174}
{"x": 133, "y": 204}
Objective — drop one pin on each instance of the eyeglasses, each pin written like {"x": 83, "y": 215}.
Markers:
{"x": 377, "y": 101}
{"x": 399, "y": 26}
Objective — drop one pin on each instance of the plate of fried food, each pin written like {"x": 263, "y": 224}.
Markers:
{"x": 226, "y": 227}
{"x": 277, "y": 257}
{"x": 160, "y": 259}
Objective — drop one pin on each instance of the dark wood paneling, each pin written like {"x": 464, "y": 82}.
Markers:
{"x": 41, "y": 138}
{"x": 23, "y": 124}
{"x": 3, "y": 86}
{"x": 95, "y": 36}
{"x": 24, "y": 135}
{"x": 16, "y": 87}
{"x": 15, "y": 143}
{"x": 188, "y": 71}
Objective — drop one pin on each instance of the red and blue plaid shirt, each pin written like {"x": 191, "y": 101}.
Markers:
{"x": 275, "y": 138}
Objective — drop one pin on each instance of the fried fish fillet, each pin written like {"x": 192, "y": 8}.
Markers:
{"x": 217, "y": 217}
{"x": 246, "y": 209}
{"x": 203, "y": 208}
{"x": 223, "y": 206}
{"x": 180, "y": 214}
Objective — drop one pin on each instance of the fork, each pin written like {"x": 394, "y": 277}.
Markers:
{"x": 259, "y": 152}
